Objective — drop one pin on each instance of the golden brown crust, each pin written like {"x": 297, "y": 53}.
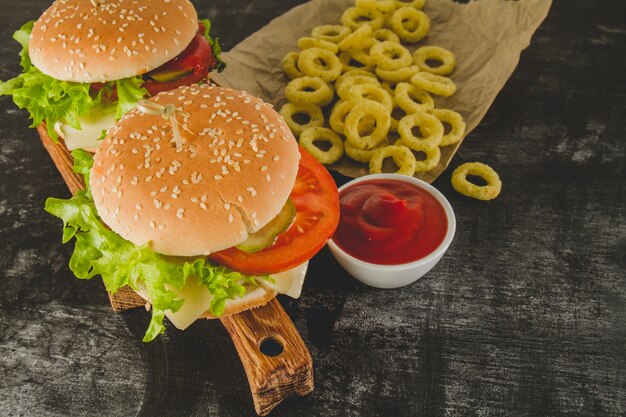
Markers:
{"x": 75, "y": 41}
{"x": 232, "y": 175}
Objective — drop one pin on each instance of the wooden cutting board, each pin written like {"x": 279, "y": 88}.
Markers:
{"x": 271, "y": 378}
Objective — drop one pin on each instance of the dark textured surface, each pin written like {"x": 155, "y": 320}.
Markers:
{"x": 524, "y": 316}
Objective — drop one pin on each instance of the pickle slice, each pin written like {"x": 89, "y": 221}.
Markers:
{"x": 169, "y": 76}
{"x": 268, "y": 234}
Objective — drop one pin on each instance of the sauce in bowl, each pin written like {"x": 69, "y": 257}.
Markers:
{"x": 389, "y": 222}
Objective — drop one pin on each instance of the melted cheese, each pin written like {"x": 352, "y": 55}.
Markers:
{"x": 92, "y": 125}
{"x": 198, "y": 298}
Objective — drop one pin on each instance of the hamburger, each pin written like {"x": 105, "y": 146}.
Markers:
{"x": 201, "y": 201}
{"x": 87, "y": 62}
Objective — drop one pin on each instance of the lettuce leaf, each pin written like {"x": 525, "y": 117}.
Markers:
{"x": 215, "y": 45}
{"x": 129, "y": 92}
{"x": 51, "y": 100}
{"x": 100, "y": 251}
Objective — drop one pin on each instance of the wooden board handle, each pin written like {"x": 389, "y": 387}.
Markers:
{"x": 271, "y": 378}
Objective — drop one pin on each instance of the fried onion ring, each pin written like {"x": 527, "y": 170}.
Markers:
{"x": 397, "y": 76}
{"x": 355, "y": 38}
{"x": 289, "y": 110}
{"x": 347, "y": 59}
{"x": 355, "y": 17}
{"x": 390, "y": 55}
{"x": 322, "y": 63}
{"x": 360, "y": 111}
{"x": 434, "y": 53}
{"x": 380, "y": 5}
{"x": 290, "y": 65}
{"x": 435, "y": 84}
{"x": 418, "y": 4}
{"x": 330, "y": 33}
{"x": 339, "y": 113}
{"x": 343, "y": 89}
{"x": 320, "y": 93}
{"x": 433, "y": 156}
{"x": 309, "y": 42}
{"x": 371, "y": 92}
{"x": 362, "y": 155}
{"x": 352, "y": 73}
{"x": 412, "y": 99}
{"x": 420, "y": 24}
{"x": 457, "y": 125}
{"x": 402, "y": 156}
{"x": 481, "y": 192}
{"x": 382, "y": 35}
{"x": 322, "y": 134}
{"x": 429, "y": 126}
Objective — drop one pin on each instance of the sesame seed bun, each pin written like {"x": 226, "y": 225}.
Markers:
{"x": 232, "y": 175}
{"x": 75, "y": 41}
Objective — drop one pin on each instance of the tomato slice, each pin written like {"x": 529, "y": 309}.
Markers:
{"x": 317, "y": 203}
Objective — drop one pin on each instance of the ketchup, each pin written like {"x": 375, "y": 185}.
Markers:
{"x": 389, "y": 222}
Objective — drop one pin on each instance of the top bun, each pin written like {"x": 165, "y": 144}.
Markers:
{"x": 233, "y": 174}
{"x": 75, "y": 41}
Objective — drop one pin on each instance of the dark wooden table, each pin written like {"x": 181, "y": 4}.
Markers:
{"x": 524, "y": 316}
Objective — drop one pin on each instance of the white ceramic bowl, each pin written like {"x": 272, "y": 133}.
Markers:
{"x": 394, "y": 276}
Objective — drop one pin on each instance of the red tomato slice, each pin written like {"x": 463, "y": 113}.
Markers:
{"x": 317, "y": 203}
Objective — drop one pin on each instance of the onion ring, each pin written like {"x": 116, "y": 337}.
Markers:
{"x": 402, "y": 156}
{"x": 429, "y": 126}
{"x": 289, "y": 110}
{"x": 382, "y": 35}
{"x": 355, "y": 38}
{"x": 480, "y": 192}
{"x": 418, "y": 4}
{"x": 457, "y": 125}
{"x": 371, "y": 92}
{"x": 390, "y": 55}
{"x": 347, "y": 59}
{"x": 420, "y": 21}
{"x": 322, "y": 134}
{"x": 406, "y": 96}
{"x": 433, "y": 156}
{"x": 397, "y": 76}
{"x": 290, "y": 65}
{"x": 309, "y": 42}
{"x": 435, "y": 84}
{"x": 343, "y": 89}
{"x": 361, "y": 110}
{"x": 434, "y": 53}
{"x": 322, "y": 63}
{"x": 396, "y": 120}
{"x": 362, "y": 52}
{"x": 355, "y": 17}
{"x": 296, "y": 91}
{"x": 330, "y": 33}
{"x": 362, "y": 155}
{"x": 380, "y": 5}
{"x": 352, "y": 73}
{"x": 339, "y": 113}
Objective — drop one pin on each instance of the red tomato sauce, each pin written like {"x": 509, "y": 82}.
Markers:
{"x": 389, "y": 222}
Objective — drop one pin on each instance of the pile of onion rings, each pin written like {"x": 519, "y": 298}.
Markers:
{"x": 369, "y": 94}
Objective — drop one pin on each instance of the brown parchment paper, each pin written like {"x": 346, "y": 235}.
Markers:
{"x": 486, "y": 36}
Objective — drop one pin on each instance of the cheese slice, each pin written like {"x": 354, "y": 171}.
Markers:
{"x": 198, "y": 298}
{"x": 92, "y": 125}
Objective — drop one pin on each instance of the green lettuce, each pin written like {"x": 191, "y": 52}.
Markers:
{"x": 215, "y": 45}
{"x": 51, "y": 100}
{"x": 99, "y": 251}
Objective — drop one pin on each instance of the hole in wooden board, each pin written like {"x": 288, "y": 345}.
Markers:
{"x": 272, "y": 346}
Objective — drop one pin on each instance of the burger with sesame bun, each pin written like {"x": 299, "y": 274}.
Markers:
{"x": 87, "y": 62}
{"x": 201, "y": 201}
